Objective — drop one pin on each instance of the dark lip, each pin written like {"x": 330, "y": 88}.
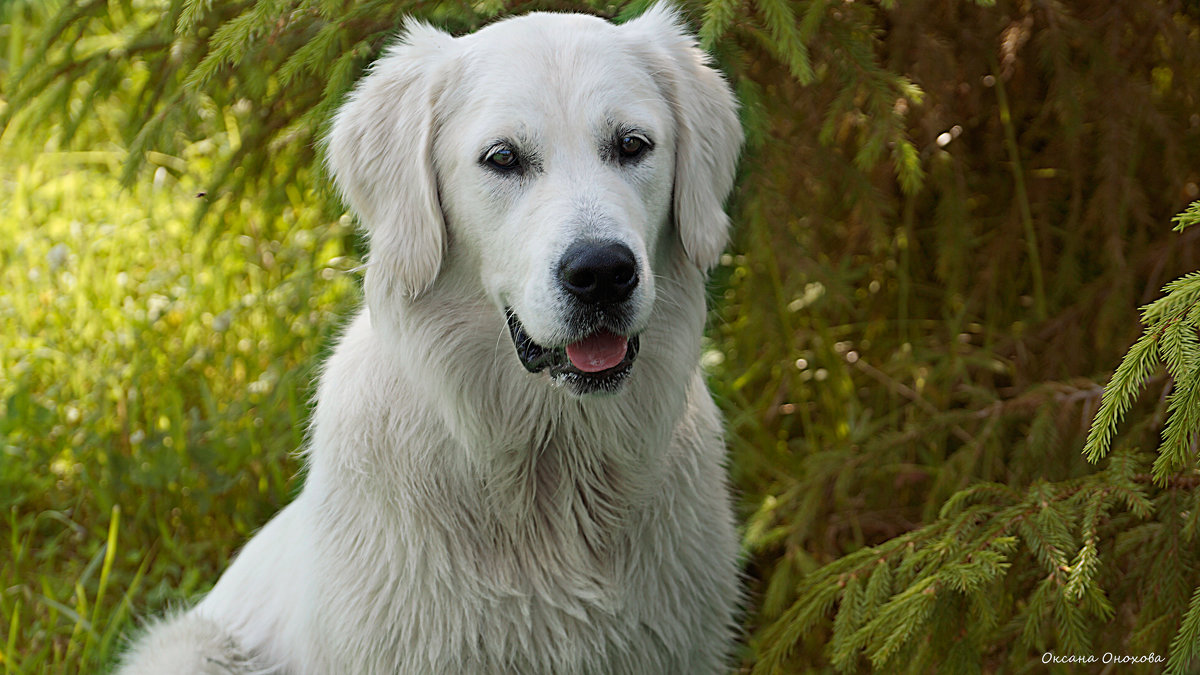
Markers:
{"x": 536, "y": 358}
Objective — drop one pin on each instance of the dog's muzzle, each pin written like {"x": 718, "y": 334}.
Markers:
{"x": 599, "y": 278}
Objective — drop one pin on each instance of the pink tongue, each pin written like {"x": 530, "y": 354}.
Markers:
{"x": 597, "y": 352}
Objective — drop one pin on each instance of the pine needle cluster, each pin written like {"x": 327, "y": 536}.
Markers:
{"x": 1170, "y": 337}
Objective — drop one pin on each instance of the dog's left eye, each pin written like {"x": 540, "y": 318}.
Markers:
{"x": 631, "y": 146}
{"x": 503, "y": 158}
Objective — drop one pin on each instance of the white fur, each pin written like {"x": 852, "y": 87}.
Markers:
{"x": 461, "y": 515}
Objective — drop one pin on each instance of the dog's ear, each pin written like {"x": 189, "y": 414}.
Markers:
{"x": 379, "y": 150}
{"x": 708, "y": 133}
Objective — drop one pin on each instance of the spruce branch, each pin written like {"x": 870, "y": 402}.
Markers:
{"x": 1170, "y": 335}
{"x": 785, "y": 40}
{"x": 1189, "y": 217}
{"x": 1119, "y": 394}
{"x": 1185, "y": 648}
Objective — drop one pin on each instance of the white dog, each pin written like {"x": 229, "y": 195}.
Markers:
{"x": 552, "y": 183}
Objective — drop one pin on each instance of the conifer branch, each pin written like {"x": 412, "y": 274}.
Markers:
{"x": 1185, "y": 648}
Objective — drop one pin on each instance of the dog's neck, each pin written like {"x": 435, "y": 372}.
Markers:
{"x": 534, "y": 446}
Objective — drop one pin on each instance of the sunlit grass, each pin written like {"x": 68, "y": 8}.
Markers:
{"x": 154, "y": 379}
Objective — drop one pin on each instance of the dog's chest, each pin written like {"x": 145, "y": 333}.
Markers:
{"x": 657, "y": 598}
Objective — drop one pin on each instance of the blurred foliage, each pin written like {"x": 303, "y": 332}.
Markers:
{"x": 948, "y": 215}
{"x": 911, "y": 375}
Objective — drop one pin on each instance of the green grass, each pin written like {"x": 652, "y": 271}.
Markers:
{"x": 154, "y": 381}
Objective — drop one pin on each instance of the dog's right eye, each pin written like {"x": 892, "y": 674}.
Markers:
{"x": 503, "y": 158}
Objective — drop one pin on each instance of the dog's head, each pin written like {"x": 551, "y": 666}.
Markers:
{"x": 554, "y": 162}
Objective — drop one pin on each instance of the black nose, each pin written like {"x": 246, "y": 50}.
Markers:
{"x": 599, "y": 273}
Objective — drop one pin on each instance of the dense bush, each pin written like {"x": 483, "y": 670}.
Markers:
{"x": 948, "y": 216}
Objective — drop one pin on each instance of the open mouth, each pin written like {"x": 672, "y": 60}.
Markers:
{"x": 599, "y": 362}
